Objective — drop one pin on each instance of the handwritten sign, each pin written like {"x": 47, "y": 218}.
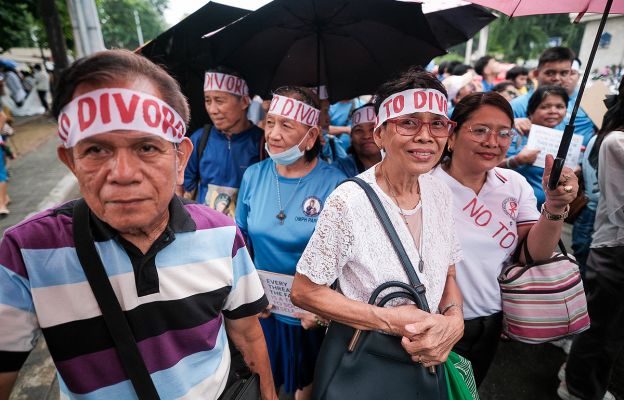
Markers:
{"x": 277, "y": 289}
{"x": 547, "y": 140}
{"x": 294, "y": 109}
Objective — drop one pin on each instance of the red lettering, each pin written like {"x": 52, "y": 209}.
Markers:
{"x": 440, "y": 100}
{"x": 168, "y": 120}
{"x": 488, "y": 216}
{"x": 208, "y": 81}
{"x": 230, "y": 83}
{"x": 147, "y": 105}
{"x": 509, "y": 235}
{"x": 216, "y": 81}
{"x": 126, "y": 113}
{"x": 370, "y": 114}
{"x": 420, "y": 99}
{"x": 180, "y": 129}
{"x": 86, "y": 104}
{"x": 64, "y": 125}
{"x": 502, "y": 226}
{"x": 387, "y": 107}
{"x": 473, "y": 203}
{"x": 312, "y": 117}
{"x": 239, "y": 86}
{"x": 356, "y": 118}
{"x": 274, "y": 102}
{"x": 105, "y": 108}
{"x": 398, "y": 103}
{"x": 288, "y": 102}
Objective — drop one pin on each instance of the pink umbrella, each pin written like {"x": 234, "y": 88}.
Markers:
{"x": 515, "y": 8}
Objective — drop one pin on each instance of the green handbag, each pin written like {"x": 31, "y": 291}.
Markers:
{"x": 460, "y": 378}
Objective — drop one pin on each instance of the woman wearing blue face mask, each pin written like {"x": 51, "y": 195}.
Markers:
{"x": 279, "y": 202}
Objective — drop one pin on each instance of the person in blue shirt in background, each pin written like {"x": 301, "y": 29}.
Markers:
{"x": 332, "y": 148}
{"x": 233, "y": 143}
{"x": 364, "y": 153}
{"x": 340, "y": 120}
{"x": 279, "y": 203}
{"x": 554, "y": 68}
{"x": 547, "y": 107}
{"x": 488, "y": 68}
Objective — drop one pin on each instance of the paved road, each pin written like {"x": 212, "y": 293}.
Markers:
{"x": 520, "y": 372}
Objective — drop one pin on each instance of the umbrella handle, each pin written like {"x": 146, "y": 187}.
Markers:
{"x": 555, "y": 173}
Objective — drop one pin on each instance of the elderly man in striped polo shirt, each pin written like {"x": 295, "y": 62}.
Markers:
{"x": 180, "y": 272}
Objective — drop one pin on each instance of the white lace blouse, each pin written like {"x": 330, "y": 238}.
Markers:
{"x": 350, "y": 244}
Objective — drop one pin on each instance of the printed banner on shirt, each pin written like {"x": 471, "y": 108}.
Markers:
{"x": 225, "y": 83}
{"x": 294, "y": 109}
{"x": 222, "y": 199}
{"x": 547, "y": 140}
{"x": 277, "y": 289}
{"x": 412, "y": 101}
{"x": 363, "y": 115}
{"x": 114, "y": 109}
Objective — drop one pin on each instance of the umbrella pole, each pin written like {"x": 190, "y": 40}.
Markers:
{"x": 318, "y": 63}
{"x": 569, "y": 129}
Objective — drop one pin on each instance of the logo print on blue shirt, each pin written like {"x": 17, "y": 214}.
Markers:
{"x": 312, "y": 206}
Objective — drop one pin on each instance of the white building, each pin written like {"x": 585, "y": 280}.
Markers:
{"x": 611, "y": 49}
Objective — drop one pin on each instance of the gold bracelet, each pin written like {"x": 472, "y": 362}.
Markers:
{"x": 319, "y": 322}
{"x": 555, "y": 217}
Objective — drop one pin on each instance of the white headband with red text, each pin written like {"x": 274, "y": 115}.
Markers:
{"x": 364, "y": 115}
{"x": 113, "y": 109}
{"x": 225, "y": 83}
{"x": 412, "y": 101}
{"x": 294, "y": 109}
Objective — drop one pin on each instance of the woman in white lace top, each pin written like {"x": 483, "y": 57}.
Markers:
{"x": 351, "y": 247}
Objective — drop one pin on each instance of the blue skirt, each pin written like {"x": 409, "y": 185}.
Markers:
{"x": 293, "y": 352}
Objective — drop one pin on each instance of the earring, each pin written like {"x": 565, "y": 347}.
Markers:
{"x": 450, "y": 149}
{"x": 308, "y": 148}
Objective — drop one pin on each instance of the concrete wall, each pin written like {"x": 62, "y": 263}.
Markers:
{"x": 614, "y": 54}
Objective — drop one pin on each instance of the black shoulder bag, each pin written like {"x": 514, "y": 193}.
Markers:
{"x": 114, "y": 317}
{"x": 370, "y": 365}
{"x": 238, "y": 388}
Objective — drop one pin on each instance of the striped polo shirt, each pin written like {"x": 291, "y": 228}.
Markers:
{"x": 175, "y": 298}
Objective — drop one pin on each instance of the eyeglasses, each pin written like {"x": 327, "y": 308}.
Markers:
{"x": 481, "y": 133}
{"x": 440, "y": 128}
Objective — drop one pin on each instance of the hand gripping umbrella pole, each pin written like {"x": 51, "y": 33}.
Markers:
{"x": 569, "y": 129}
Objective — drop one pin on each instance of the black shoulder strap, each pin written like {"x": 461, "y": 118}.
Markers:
{"x": 394, "y": 238}
{"x": 332, "y": 147}
{"x": 203, "y": 141}
{"x": 114, "y": 318}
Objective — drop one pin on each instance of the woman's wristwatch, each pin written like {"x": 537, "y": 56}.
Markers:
{"x": 555, "y": 217}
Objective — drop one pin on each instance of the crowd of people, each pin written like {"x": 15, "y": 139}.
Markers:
{"x": 189, "y": 225}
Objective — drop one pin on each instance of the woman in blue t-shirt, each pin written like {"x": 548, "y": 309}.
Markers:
{"x": 547, "y": 107}
{"x": 279, "y": 202}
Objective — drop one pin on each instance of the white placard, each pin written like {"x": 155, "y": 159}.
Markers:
{"x": 547, "y": 140}
{"x": 277, "y": 289}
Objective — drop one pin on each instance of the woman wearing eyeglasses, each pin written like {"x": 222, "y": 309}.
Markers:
{"x": 494, "y": 210}
{"x": 351, "y": 247}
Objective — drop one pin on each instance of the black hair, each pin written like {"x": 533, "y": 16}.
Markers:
{"x": 116, "y": 66}
{"x": 451, "y": 65}
{"x": 413, "y": 78}
{"x": 500, "y": 87}
{"x": 310, "y": 98}
{"x": 515, "y": 72}
{"x": 481, "y": 63}
{"x": 540, "y": 94}
{"x": 471, "y": 103}
{"x": 442, "y": 67}
{"x": 555, "y": 54}
{"x": 613, "y": 120}
{"x": 461, "y": 69}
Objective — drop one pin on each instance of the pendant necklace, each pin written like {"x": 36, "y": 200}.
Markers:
{"x": 282, "y": 215}
{"x": 421, "y": 263}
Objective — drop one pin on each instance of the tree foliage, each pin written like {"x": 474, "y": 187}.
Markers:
{"x": 21, "y": 26}
{"x": 118, "y": 23}
{"x": 527, "y": 37}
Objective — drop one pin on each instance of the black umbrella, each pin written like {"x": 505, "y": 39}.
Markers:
{"x": 177, "y": 50}
{"x": 351, "y": 46}
{"x": 458, "y": 24}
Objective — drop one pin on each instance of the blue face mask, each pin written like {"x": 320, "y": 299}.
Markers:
{"x": 289, "y": 156}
